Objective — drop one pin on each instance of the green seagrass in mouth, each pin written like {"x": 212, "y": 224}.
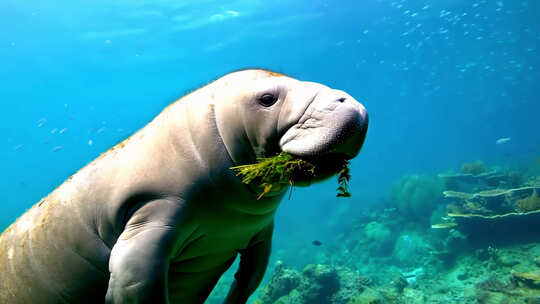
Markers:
{"x": 274, "y": 173}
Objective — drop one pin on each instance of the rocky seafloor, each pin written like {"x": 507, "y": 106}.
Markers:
{"x": 490, "y": 275}
{"x": 466, "y": 237}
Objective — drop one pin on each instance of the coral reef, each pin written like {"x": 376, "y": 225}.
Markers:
{"x": 367, "y": 296}
{"x": 490, "y": 275}
{"x": 283, "y": 281}
{"x": 473, "y": 168}
{"x": 484, "y": 249}
{"x": 508, "y": 227}
{"x": 527, "y": 279}
{"x": 317, "y": 283}
{"x": 494, "y": 201}
{"x": 521, "y": 287}
{"x": 469, "y": 182}
{"x": 380, "y": 236}
{"x": 408, "y": 248}
{"x": 504, "y": 214}
{"x": 417, "y": 196}
{"x": 530, "y": 203}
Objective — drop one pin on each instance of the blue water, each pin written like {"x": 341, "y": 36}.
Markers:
{"x": 442, "y": 81}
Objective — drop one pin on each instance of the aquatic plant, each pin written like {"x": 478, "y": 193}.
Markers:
{"x": 343, "y": 181}
{"x": 274, "y": 173}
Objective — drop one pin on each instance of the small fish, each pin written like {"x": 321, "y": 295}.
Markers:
{"x": 53, "y": 131}
{"x": 18, "y": 147}
{"x": 41, "y": 122}
{"x": 58, "y": 148}
{"x": 62, "y": 131}
{"x": 90, "y": 142}
{"x": 503, "y": 140}
{"x": 317, "y": 243}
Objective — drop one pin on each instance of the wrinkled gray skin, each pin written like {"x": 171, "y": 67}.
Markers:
{"x": 159, "y": 217}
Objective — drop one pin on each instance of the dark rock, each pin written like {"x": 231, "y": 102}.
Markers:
{"x": 323, "y": 283}
{"x": 368, "y": 296}
{"x": 463, "y": 276}
{"x": 283, "y": 281}
{"x": 507, "y": 261}
{"x": 399, "y": 282}
{"x": 481, "y": 254}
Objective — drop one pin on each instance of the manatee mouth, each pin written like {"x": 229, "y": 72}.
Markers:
{"x": 324, "y": 166}
{"x": 271, "y": 175}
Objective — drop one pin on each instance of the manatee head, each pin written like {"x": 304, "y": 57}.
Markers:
{"x": 260, "y": 113}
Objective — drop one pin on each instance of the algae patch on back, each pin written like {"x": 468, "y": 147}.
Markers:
{"x": 273, "y": 173}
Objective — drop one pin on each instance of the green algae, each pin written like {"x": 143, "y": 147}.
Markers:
{"x": 274, "y": 173}
{"x": 343, "y": 181}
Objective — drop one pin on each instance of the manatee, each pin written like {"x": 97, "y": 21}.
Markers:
{"x": 160, "y": 216}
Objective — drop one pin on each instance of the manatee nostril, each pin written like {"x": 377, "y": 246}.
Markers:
{"x": 341, "y": 99}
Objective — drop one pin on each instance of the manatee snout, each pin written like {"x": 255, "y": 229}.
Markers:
{"x": 334, "y": 124}
{"x": 351, "y": 128}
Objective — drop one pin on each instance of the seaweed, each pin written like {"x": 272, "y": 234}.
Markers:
{"x": 343, "y": 181}
{"x": 272, "y": 173}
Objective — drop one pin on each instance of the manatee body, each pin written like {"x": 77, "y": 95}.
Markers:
{"x": 159, "y": 217}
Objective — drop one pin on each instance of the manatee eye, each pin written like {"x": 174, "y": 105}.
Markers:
{"x": 267, "y": 99}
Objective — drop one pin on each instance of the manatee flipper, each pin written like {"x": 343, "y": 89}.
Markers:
{"x": 139, "y": 261}
{"x": 253, "y": 263}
